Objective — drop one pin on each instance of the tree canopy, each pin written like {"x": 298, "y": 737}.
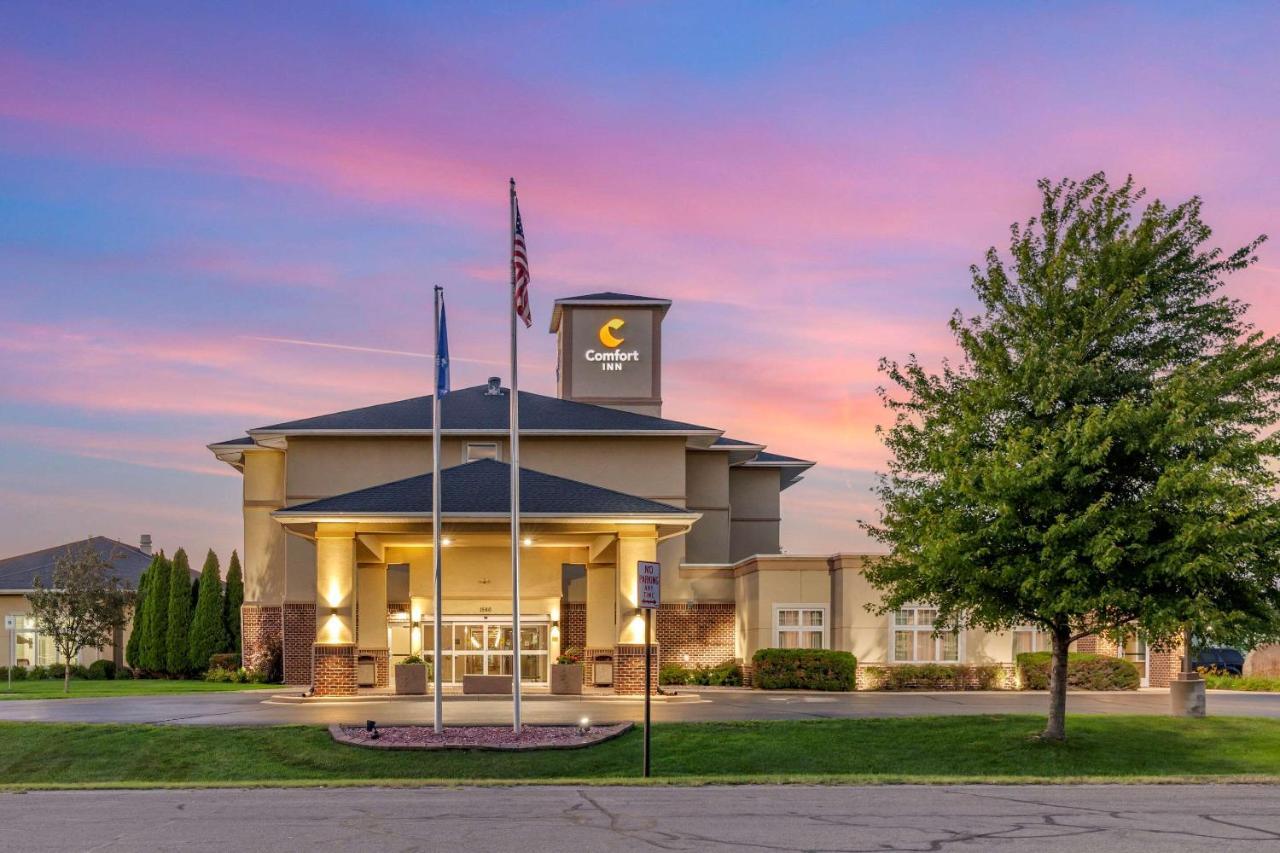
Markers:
{"x": 1097, "y": 460}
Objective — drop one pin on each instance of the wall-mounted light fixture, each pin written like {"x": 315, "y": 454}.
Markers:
{"x": 555, "y": 630}
{"x": 446, "y": 541}
{"x": 527, "y": 541}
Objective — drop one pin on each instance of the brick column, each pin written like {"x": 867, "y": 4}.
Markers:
{"x": 628, "y": 669}
{"x": 260, "y": 626}
{"x": 335, "y": 669}
{"x": 299, "y": 636}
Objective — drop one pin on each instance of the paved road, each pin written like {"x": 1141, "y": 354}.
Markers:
{"x": 1220, "y": 818}
{"x": 258, "y": 708}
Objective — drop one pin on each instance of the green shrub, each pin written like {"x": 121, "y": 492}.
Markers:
{"x": 673, "y": 673}
{"x": 224, "y": 660}
{"x": 101, "y": 670}
{"x": 804, "y": 669}
{"x": 36, "y": 673}
{"x": 19, "y": 673}
{"x": 1084, "y": 672}
{"x": 1222, "y": 681}
{"x": 56, "y": 670}
{"x": 937, "y": 676}
{"x": 727, "y": 674}
{"x": 218, "y": 675}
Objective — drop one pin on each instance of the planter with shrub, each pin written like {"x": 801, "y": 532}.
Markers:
{"x": 937, "y": 676}
{"x": 1084, "y": 672}
{"x": 566, "y": 673}
{"x": 411, "y": 676}
{"x": 804, "y": 669}
{"x": 727, "y": 674}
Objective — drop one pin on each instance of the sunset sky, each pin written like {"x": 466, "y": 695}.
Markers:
{"x": 231, "y": 216}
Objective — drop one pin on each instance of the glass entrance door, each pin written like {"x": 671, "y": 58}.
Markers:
{"x": 483, "y": 646}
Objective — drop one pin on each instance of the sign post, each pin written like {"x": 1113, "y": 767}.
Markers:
{"x": 9, "y": 623}
{"x": 649, "y": 596}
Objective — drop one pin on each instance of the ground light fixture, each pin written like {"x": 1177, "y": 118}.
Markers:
{"x": 584, "y": 725}
{"x": 371, "y": 727}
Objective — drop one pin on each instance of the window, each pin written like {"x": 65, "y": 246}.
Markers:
{"x": 483, "y": 450}
{"x": 914, "y": 640}
{"x": 32, "y": 647}
{"x": 800, "y": 626}
{"x": 1028, "y": 638}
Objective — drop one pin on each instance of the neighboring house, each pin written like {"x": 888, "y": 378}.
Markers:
{"x": 337, "y": 532}
{"x": 17, "y": 578}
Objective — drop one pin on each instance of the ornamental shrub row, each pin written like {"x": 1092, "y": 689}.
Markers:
{"x": 99, "y": 670}
{"x": 937, "y": 676}
{"x": 1084, "y": 672}
{"x": 804, "y": 669}
{"x": 727, "y": 674}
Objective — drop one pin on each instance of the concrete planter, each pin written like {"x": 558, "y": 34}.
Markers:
{"x": 566, "y": 678}
{"x": 411, "y": 679}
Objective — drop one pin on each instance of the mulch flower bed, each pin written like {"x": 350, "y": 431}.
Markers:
{"x": 477, "y": 737}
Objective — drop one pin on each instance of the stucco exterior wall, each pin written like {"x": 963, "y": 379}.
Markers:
{"x": 707, "y": 492}
{"x": 755, "y": 512}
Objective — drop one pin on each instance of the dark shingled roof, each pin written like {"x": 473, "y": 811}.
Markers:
{"x": 20, "y": 572}
{"x": 243, "y": 440}
{"x": 765, "y": 458}
{"x": 484, "y": 487}
{"x": 610, "y": 296}
{"x": 725, "y": 441}
{"x": 474, "y": 409}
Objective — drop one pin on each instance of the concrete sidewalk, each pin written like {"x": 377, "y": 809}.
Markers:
{"x": 1069, "y": 819}
{"x": 692, "y": 705}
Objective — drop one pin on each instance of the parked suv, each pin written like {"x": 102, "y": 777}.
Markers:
{"x": 1225, "y": 660}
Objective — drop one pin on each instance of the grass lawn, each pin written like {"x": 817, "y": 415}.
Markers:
{"x": 923, "y": 749}
{"x": 84, "y": 689}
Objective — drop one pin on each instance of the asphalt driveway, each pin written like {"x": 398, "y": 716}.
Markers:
{"x": 704, "y": 705}
{"x": 1073, "y": 819}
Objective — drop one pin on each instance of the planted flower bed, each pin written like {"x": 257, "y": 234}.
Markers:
{"x": 477, "y": 737}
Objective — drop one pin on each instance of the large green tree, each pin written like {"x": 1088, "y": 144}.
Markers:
{"x": 232, "y": 602}
{"x": 1097, "y": 460}
{"x": 208, "y": 634}
{"x": 178, "y": 630}
{"x": 132, "y": 648}
{"x": 155, "y": 616}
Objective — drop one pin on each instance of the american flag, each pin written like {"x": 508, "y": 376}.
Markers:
{"x": 520, "y": 269}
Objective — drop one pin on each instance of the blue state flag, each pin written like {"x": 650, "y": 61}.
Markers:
{"x": 442, "y": 354}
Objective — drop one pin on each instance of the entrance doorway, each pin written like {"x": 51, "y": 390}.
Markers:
{"x": 1135, "y": 651}
{"x": 483, "y": 645}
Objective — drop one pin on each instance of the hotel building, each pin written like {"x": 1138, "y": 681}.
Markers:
{"x": 337, "y": 534}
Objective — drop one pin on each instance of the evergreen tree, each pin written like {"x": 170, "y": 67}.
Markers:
{"x": 208, "y": 634}
{"x": 1098, "y": 461}
{"x": 132, "y": 648}
{"x": 231, "y": 603}
{"x": 155, "y": 617}
{"x": 178, "y": 631}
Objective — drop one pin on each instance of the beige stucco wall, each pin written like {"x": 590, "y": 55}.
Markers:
{"x": 755, "y": 512}
{"x": 265, "y": 541}
{"x": 707, "y": 492}
{"x": 761, "y": 583}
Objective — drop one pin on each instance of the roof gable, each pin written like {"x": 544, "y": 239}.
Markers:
{"x": 20, "y": 572}
{"x": 475, "y": 410}
{"x": 483, "y": 487}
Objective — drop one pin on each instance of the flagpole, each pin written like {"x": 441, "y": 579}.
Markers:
{"x": 515, "y": 488}
{"x": 436, "y": 680}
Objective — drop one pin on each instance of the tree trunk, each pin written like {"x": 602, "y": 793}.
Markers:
{"x": 66, "y": 675}
{"x": 1056, "y": 728}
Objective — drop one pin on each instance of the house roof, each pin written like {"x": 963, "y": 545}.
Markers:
{"x": 20, "y": 572}
{"x": 483, "y": 488}
{"x": 474, "y": 410}
{"x": 606, "y": 297}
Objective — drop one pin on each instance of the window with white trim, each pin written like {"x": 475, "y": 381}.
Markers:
{"x": 914, "y": 639}
{"x": 1029, "y": 638}
{"x": 800, "y": 626}
{"x": 481, "y": 450}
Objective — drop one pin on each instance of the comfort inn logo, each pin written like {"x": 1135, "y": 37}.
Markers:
{"x": 606, "y": 333}
{"x": 612, "y": 358}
